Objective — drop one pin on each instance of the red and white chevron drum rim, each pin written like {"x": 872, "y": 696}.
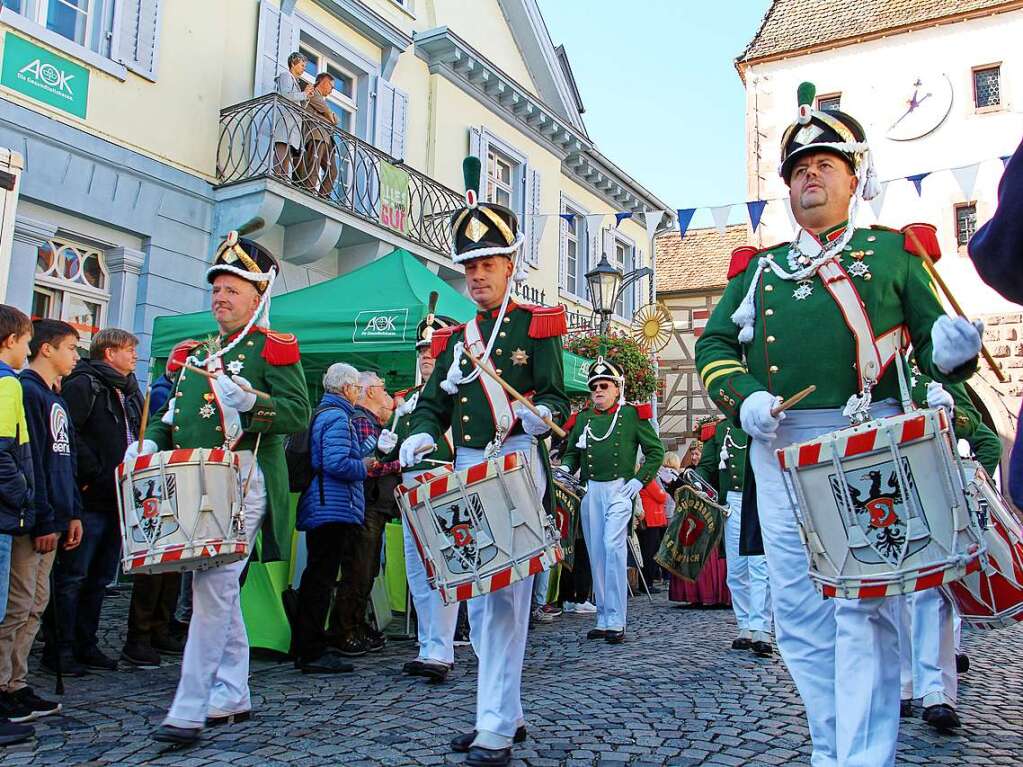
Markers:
{"x": 180, "y": 557}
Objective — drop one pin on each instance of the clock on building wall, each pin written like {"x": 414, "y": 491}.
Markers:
{"x": 922, "y": 106}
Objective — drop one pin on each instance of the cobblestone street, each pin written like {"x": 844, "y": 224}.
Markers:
{"x": 674, "y": 694}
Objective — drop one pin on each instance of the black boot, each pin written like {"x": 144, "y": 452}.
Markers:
{"x": 460, "y": 744}
{"x": 942, "y": 717}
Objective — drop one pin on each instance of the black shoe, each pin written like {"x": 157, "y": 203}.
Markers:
{"x": 942, "y": 717}
{"x": 14, "y": 710}
{"x": 762, "y": 649}
{"x": 179, "y": 736}
{"x": 169, "y": 644}
{"x": 328, "y": 663}
{"x": 11, "y": 733}
{"x": 218, "y": 718}
{"x": 906, "y": 708}
{"x": 142, "y": 656}
{"x": 962, "y": 663}
{"x": 97, "y": 659}
{"x": 413, "y": 667}
{"x": 351, "y": 647}
{"x": 596, "y": 634}
{"x": 69, "y": 666}
{"x": 434, "y": 671}
{"x": 654, "y": 589}
{"x": 461, "y": 744}
{"x": 742, "y": 643}
{"x": 615, "y": 637}
{"x": 39, "y": 707}
{"x": 487, "y": 757}
{"x": 374, "y": 641}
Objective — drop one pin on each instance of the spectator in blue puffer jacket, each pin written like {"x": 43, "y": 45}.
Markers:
{"x": 331, "y": 511}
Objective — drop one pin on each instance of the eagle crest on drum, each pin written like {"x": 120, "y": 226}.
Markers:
{"x": 885, "y": 528}
{"x": 471, "y": 542}
{"x": 152, "y": 525}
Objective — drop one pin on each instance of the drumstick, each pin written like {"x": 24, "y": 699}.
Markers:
{"x": 243, "y": 387}
{"x": 799, "y": 396}
{"x": 508, "y": 388}
{"x": 145, "y": 417}
{"x": 952, "y": 300}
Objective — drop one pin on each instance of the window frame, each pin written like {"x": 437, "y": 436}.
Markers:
{"x": 987, "y": 108}
{"x": 828, "y": 97}
{"x": 518, "y": 185}
{"x": 568, "y": 205}
{"x": 325, "y": 62}
{"x": 956, "y": 208}
{"x": 58, "y": 286}
{"x": 629, "y": 297}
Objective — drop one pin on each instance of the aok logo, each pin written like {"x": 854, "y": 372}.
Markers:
{"x": 48, "y": 76}
{"x": 380, "y": 324}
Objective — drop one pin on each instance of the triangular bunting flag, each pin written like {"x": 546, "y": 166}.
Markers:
{"x": 621, "y": 216}
{"x": 539, "y": 224}
{"x": 593, "y": 223}
{"x": 720, "y": 216}
{"x": 878, "y": 202}
{"x": 756, "y": 211}
{"x": 652, "y": 219}
{"x": 685, "y": 215}
{"x": 792, "y": 219}
{"x": 1005, "y": 159}
{"x": 918, "y": 180}
{"x": 966, "y": 177}
{"x": 569, "y": 218}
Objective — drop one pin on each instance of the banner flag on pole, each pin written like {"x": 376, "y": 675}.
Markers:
{"x": 653, "y": 218}
{"x": 685, "y": 215}
{"x": 966, "y": 177}
{"x": 878, "y": 202}
{"x": 720, "y": 216}
{"x": 621, "y": 216}
{"x": 756, "y": 211}
{"x": 918, "y": 180}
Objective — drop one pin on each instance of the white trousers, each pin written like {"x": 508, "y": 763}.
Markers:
{"x": 436, "y": 620}
{"x": 605, "y": 521}
{"x": 215, "y": 667}
{"x": 747, "y": 576}
{"x": 843, "y": 654}
{"x": 928, "y": 649}
{"x": 498, "y": 623}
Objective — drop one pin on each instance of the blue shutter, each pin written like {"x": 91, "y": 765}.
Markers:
{"x": 276, "y": 39}
{"x": 534, "y": 223}
{"x": 137, "y": 36}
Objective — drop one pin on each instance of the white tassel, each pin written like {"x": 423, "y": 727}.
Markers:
{"x": 871, "y": 184}
{"x": 454, "y": 376}
{"x": 723, "y": 455}
{"x": 581, "y": 442}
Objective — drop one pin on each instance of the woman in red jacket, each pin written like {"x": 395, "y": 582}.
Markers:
{"x": 651, "y": 529}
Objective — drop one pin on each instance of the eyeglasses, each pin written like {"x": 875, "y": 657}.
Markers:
{"x": 600, "y": 386}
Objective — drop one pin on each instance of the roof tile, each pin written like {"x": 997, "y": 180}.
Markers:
{"x": 698, "y": 261}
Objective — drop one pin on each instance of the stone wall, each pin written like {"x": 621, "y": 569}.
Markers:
{"x": 1003, "y": 336}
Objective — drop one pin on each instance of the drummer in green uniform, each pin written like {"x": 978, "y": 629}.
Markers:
{"x": 831, "y": 308}
{"x": 223, "y": 412}
{"x": 603, "y": 444}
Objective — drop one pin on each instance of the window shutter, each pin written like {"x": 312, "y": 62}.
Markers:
{"x": 276, "y": 40}
{"x": 534, "y": 232}
{"x": 389, "y": 122}
{"x": 475, "y": 142}
{"x": 637, "y": 287}
{"x": 137, "y": 36}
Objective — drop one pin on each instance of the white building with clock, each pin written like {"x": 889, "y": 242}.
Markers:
{"x": 938, "y": 86}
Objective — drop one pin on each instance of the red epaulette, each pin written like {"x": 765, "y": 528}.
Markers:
{"x": 439, "y": 339}
{"x": 179, "y": 354}
{"x": 741, "y": 257}
{"x": 707, "y": 431}
{"x": 921, "y": 236}
{"x": 280, "y": 348}
{"x": 644, "y": 410}
{"x": 547, "y": 321}
{"x": 570, "y": 423}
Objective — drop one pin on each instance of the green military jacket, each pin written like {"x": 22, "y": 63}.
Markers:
{"x": 614, "y": 457}
{"x": 732, "y": 477}
{"x": 527, "y": 355}
{"x": 270, "y": 362}
{"x": 799, "y": 335}
{"x": 404, "y": 428}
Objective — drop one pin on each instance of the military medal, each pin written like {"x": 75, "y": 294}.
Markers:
{"x": 859, "y": 269}
{"x": 519, "y": 357}
{"x": 804, "y": 290}
{"x": 207, "y": 410}
{"x": 234, "y": 367}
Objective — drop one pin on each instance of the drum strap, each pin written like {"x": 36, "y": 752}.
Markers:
{"x": 873, "y": 354}
{"x": 500, "y": 407}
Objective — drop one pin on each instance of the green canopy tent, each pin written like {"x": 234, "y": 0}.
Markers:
{"x": 367, "y": 318}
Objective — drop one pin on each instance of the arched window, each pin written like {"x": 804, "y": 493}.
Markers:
{"x": 71, "y": 284}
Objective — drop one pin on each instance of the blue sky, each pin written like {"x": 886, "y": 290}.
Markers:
{"x": 662, "y": 97}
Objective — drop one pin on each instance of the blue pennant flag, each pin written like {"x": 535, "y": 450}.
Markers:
{"x": 619, "y": 217}
{"x": 756, "y": 210}
{"x": 918, "y": 179}
{"x": 1005, "y": 159}
{"x": 685, "y": 215}
{"x": 569, "y": 218}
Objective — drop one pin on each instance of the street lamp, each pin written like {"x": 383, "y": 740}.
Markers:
{"x": 604, "y": 282}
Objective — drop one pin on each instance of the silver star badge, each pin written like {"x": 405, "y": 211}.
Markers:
{"x": 207, "y": 410}
{"x": 859, "y": 269}
{"x": 234, "y": 367}
{"x": 804, "y": 290}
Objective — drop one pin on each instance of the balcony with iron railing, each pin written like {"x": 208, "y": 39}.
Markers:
{"x": 275, "y": 139}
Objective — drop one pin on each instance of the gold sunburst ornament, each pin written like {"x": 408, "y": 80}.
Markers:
{"x": 651, "y": 327}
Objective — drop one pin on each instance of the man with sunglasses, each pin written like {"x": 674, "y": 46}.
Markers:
{"x": 603, "y": 444}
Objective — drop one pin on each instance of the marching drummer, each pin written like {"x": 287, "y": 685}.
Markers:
{"x": 603, "y": 445}
{"x": 523, "y": 344}
{"x": 436, "y": 621}
{"x": 829, "y": 308}
{"x": 723, "y": 464}
{"x": 223, "y": 411}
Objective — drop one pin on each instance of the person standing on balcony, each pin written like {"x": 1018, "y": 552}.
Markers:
{"x": 288, "y": 119}
{"x": 319, "y": 139}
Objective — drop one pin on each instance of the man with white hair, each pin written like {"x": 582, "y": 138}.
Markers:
{"x": 330, "y": 511}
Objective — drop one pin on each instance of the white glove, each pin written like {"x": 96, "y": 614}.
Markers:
{"x": 755, "y": 415}
{"x": 956, "y": 341}
{"x": 531, "y": 424}
{"x": 148, "y": 448}
{"x": 630, "y": 489}
{"x": 938, "y": 397}
{"x": 386, "y": 441}
{"x": 231, "y": 394}
{"x": 415, "y": 443}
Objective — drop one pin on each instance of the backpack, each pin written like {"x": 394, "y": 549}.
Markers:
{"x": 298, "y": 455}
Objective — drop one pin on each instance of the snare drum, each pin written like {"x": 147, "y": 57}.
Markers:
{"x": 882, "y": 508}
{"x": 992, "y": 598}
{"x": 180, "y": 510}
{"x": 481, "y": 528}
